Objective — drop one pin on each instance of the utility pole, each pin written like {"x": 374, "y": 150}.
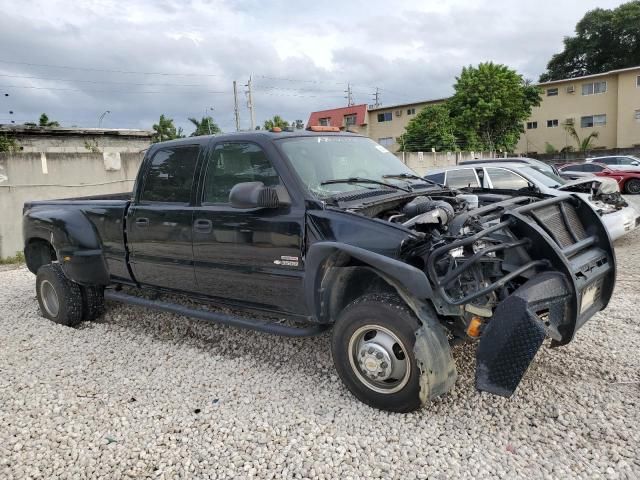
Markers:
{"x": 376, "y": 98}
{"x": 349, "y": 96}
{"x": 235, "y": 105}
{"x": 250, "y": 104}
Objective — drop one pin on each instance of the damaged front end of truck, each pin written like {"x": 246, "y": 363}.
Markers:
{"x": 513, "y": 272}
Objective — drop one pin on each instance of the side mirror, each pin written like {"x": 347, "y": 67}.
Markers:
{"x": 256, "y": 195}
{"x": 634, "y": 163}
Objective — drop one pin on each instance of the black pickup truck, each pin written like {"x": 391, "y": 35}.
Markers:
{"x": 299, "y": 232}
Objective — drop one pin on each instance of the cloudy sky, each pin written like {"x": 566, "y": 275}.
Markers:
{"x": 141, "y": 58}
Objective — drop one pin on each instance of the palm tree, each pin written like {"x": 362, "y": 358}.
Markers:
{"x": 584, "y": 144}
{"x": 166, "y": 130}
{"x": 276, "y": 121}
{"x": 206, "y": 126}
{"x": 45, "y": 122}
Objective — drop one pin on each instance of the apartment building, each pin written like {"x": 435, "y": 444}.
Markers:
{"x": 608, "y": 103}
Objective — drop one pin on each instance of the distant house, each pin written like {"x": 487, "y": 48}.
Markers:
{"x": 353, "y": 118}
{"x": 78, "y": 140}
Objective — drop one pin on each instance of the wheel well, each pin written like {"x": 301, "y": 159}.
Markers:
{"x": 38, "y": 252}
{"x": 349, "y": 283}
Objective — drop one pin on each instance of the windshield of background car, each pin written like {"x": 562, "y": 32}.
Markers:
{"x": 318, "y": 159}
{"x": 543, "y": 176}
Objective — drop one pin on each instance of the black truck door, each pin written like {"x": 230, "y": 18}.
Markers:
{"x": 250, "y": 257}
{"x": 159, "y": 230}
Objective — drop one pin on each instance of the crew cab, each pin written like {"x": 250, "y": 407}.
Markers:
{"x": 302, "y": 232}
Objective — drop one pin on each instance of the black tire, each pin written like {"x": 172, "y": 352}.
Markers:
{"x": 92, "y": 303}
{"x": 59, "y": 298}
{"x": 632, "y": 186}
{"x": 388, "y": 312}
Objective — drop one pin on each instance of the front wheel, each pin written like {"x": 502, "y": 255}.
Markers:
{"x": 632, "y": 186}
{"x": 372, "y": 349}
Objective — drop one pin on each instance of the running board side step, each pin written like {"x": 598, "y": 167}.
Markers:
{"x": 216, "y": 317}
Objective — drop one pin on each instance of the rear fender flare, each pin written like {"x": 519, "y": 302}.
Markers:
{"x": 75, "y": 241}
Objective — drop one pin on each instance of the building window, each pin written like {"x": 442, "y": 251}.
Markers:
{"x": 411, "y": 111}
{"x": 349, "y": 120}
{"x": 594, "y": 88}
{"x": 552, "y": 92}
{"x": 638, "y": 81}
{"x": 637, "y": 115}
{"x": 593, "y": 121}
{"x": 532, "y": 125}
{"x": 552, "y": 123}
{"x": 386, "y": 141}
{"x": 385, "y": 117}
{"x": 325, "y": 122}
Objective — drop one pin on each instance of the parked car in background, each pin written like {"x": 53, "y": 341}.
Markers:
{"x": 617, "y": 162}
{"x": 601, "y": 193}
{"x": 529, "y": 161}
{"x": 628, "y": 180}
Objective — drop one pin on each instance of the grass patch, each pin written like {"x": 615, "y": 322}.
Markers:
{"x": 17, "y": 258}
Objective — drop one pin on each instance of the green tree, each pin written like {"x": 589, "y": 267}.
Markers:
{"x": 605, "y": 40}
{"x": 489, "y": 106}
{"x": 549, "y": 148}
{"x": 8, "y": 144}
{"x": 45, "y": 122}
{"x": 166, "y": 130}
{"x": 584, "y": 144}
{"x": 276, "y": 121}
{"x": 206, "y": 126}
{"x": 431, "y": 128}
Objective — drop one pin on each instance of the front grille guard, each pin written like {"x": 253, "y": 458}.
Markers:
{"x": 581, "y": 244}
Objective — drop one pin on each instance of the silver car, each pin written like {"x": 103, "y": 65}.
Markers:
{"x": 617, "y": 162}
{"x": 601, "y": 193}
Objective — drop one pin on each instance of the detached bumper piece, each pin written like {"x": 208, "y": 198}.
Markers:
{"x": 515, "y": 333}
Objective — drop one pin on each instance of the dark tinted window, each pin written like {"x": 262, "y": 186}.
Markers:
{"x": 436, "y": 177}
{"x": 232, "y": 163}
{"x": 170, "y": 176}
{"x": 590, "y": 167}
{"x": 573, "y": 168}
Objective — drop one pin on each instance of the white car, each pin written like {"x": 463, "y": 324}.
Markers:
{"x": 601, "y": 193}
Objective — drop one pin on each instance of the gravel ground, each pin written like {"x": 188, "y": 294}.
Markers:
{"x": 153, "y": 395}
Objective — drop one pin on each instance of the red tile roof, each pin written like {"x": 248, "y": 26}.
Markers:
{"x": 336, "y": 115}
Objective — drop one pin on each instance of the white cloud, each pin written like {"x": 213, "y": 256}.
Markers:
{"x": 411, "y": 50}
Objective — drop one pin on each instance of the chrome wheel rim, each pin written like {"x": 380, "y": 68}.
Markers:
{"x": 49, "y": 298}
{"x": 379, "y": 359}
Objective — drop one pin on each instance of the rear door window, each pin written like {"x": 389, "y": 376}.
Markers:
{"x": 169, "y": 178}
{"x": 461, "y": 178}
{"x": 436, "y": 177}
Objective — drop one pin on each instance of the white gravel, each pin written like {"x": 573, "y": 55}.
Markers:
{"x": 151, "y": 395}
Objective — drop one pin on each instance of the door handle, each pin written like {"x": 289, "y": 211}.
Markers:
{"x": 203, "y": 225}
{"x": 142, "y": 222}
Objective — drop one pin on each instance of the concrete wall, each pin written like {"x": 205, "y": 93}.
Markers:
{"x": 82, "y": 143}
{"x": 40, "y": 176}
{"x": 422, "y": 162}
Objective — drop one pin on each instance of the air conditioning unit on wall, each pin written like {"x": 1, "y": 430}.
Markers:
{"x": 569, "y": 121}
{"x": 398, "y": 113}
{"x": 571, "y": 89}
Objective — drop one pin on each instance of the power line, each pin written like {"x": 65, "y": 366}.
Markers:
{"x": 108, "y": 91}
{"x": 106, "y": 81}
{"x": 92, "y": 69}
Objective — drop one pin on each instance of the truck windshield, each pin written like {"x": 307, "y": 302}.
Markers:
{"x": 318, "y": 160}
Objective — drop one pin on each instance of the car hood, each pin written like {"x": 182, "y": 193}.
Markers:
{"x": 605, "y": 185}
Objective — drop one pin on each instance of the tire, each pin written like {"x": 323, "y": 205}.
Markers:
{"x": 59, "y": 298}
{"x": 632, "y": 186}
{"x": 364, "y": 330}
{"x": 92, "y": 303}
